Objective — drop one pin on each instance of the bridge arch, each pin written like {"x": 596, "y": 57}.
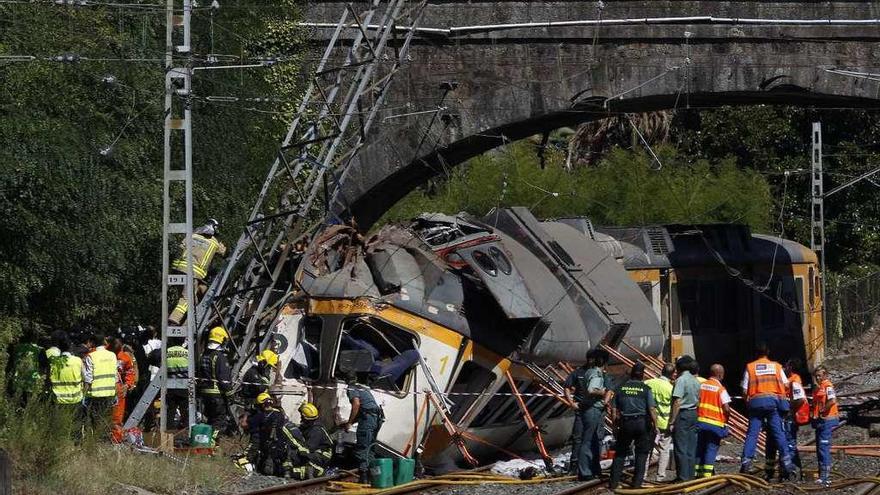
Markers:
{"x": 537, "y": 66}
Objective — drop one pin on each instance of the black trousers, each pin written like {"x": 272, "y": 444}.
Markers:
{"x": 632, "y": 431}
{"x": 215, "y": 412}
{"x": 178, "y": 409}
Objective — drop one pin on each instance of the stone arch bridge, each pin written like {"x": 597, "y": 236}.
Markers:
{"x": 484, "y": 73}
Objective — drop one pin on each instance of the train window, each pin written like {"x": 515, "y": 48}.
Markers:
{"x": 710, "y": 306}
{"x": 648, "y": 291}
{"x": 501, "y": 259}
{"x": 306, "y": 361}
{"x": 492, "y": 407}
{"x": 485, "y": 262}
{"x": 812, "y": 286}
{"x": 394, "y": 351}
{"x": 472, "y": 379}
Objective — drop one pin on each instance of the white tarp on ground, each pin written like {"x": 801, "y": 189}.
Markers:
{"x": 514, "y": 466}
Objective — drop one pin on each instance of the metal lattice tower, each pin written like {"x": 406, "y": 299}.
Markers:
{"x": 817, "y": 202}
{"x": 177, "y": 172}
{"x": 345, "y": 94}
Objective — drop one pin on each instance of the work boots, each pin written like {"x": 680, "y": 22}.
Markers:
{"x": 364, "y": 477}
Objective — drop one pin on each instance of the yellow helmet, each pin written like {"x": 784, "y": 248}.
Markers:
{"x": 269, "y": 357}
{"x": 308, "y": 411}
{"x": 218, "y": 335}
{"x": 263, "y": 397}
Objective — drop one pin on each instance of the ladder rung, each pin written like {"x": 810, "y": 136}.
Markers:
{"x": 175, "y": 124}
{"x": 176, "y": 279}
{"x": 176, "y": 228}
{"x": 177, "y": 384}
{"x": 178, "y": 72}
{"x": 177, "y": 175}
{"x": 177, "y": 20}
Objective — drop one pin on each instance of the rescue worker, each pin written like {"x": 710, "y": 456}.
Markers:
{"x": 258, "y": 378}
{"x": 683, "y": 418}
{"x": 365, "y": 411}
{"x": 661, "y": 387}
{"x": 799, "y": 408}
{"x": 575, "y": 394}
{"x": 635, "y": 415}
{"x": 28, "y": 370}
{"x": 177, "y": 362}
{"x": 592, "y": 412}
{"x": 100, "y": 379}
{"x": 712, "y": 414}
{"x": 65, "y": 374}
{"x": 764, "y": 384}
{"x": 125, "y": 383}
{"x": 825, "y": 418}
{"x": 796, "y": 414}
{"x": 318, "y": 441}
{"x": 216, "y": 380}
{"x": 275, "y": 440}
{"x": 205, "y": 246}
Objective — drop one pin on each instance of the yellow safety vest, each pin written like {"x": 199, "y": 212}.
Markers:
{"x": 204, "y": 249}
{"x": 103, "y": 373}
{"x": 65, "y": 373}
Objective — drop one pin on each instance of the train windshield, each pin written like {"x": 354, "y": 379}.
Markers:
{"x": 387, "y": 353}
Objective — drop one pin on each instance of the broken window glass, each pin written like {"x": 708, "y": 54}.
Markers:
{"x": 306, "y": 363}
{"x": 392, "y": 353}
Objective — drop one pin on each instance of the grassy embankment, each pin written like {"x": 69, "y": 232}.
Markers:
{"x": 45, "y": 460}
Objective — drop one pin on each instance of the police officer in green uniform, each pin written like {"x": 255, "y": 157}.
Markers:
{"x": 365, "y": 411}
{"x": 575, "y": 393}
{"x": 635, "y": 416}
{"x": 591, "y": 410}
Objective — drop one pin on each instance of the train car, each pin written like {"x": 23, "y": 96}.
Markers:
{"x": 456, "y": 316}
{"x": 718, "y": 289}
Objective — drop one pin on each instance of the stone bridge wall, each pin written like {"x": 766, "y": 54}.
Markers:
{"x": 512, "y": 83}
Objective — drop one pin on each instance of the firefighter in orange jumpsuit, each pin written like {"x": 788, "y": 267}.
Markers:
{"x": 126, "y": 383}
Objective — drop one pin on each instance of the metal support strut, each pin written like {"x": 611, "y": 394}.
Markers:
{"x": 530, "y": 423}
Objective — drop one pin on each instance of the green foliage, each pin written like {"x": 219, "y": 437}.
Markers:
{"x": 38, "y": 436}
{"x": 623, "y": 189}
{"x": 772, "y": 139}
{"x": 80, "y": 230}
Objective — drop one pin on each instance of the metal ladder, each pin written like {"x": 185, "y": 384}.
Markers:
{"x": 331, "y": 125}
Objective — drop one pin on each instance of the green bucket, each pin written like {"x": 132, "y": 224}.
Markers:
{"x": 382, "y": 473}
{"x": 200, "y": 435}
{"x": 404, "y": 469}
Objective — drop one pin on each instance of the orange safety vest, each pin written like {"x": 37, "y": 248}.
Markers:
{"x": 802, "y": 415}
{"x": 820, "y": 397}
{"x": 711, "y": 410}
{"x": 764, "y": 379}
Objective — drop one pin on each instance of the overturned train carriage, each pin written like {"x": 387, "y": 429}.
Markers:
{"x": 460, "y": 308}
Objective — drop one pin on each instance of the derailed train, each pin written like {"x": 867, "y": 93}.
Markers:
{"x": 456, "y": 309}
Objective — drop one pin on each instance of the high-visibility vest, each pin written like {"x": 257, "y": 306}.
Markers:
{"x": 65, "y": 374}
{"x": 802, "y": 415}
{"x": 711, "y": 410}
{"x": 103, "y": 373}
{"x": 764, "y": 378}
{"x": 820, "y": 397}
{"x": 204, "y": 249}
{"x": 662, "y": 390}
{"x": 177, "y": 360}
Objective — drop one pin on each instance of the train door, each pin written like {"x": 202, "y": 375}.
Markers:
{"x": 680, "y": 337}
{"x": 815, "y": 336}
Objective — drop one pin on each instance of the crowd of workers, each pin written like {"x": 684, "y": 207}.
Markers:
{"x": 92, "y": 381}
{"x": 685, "y": 416}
